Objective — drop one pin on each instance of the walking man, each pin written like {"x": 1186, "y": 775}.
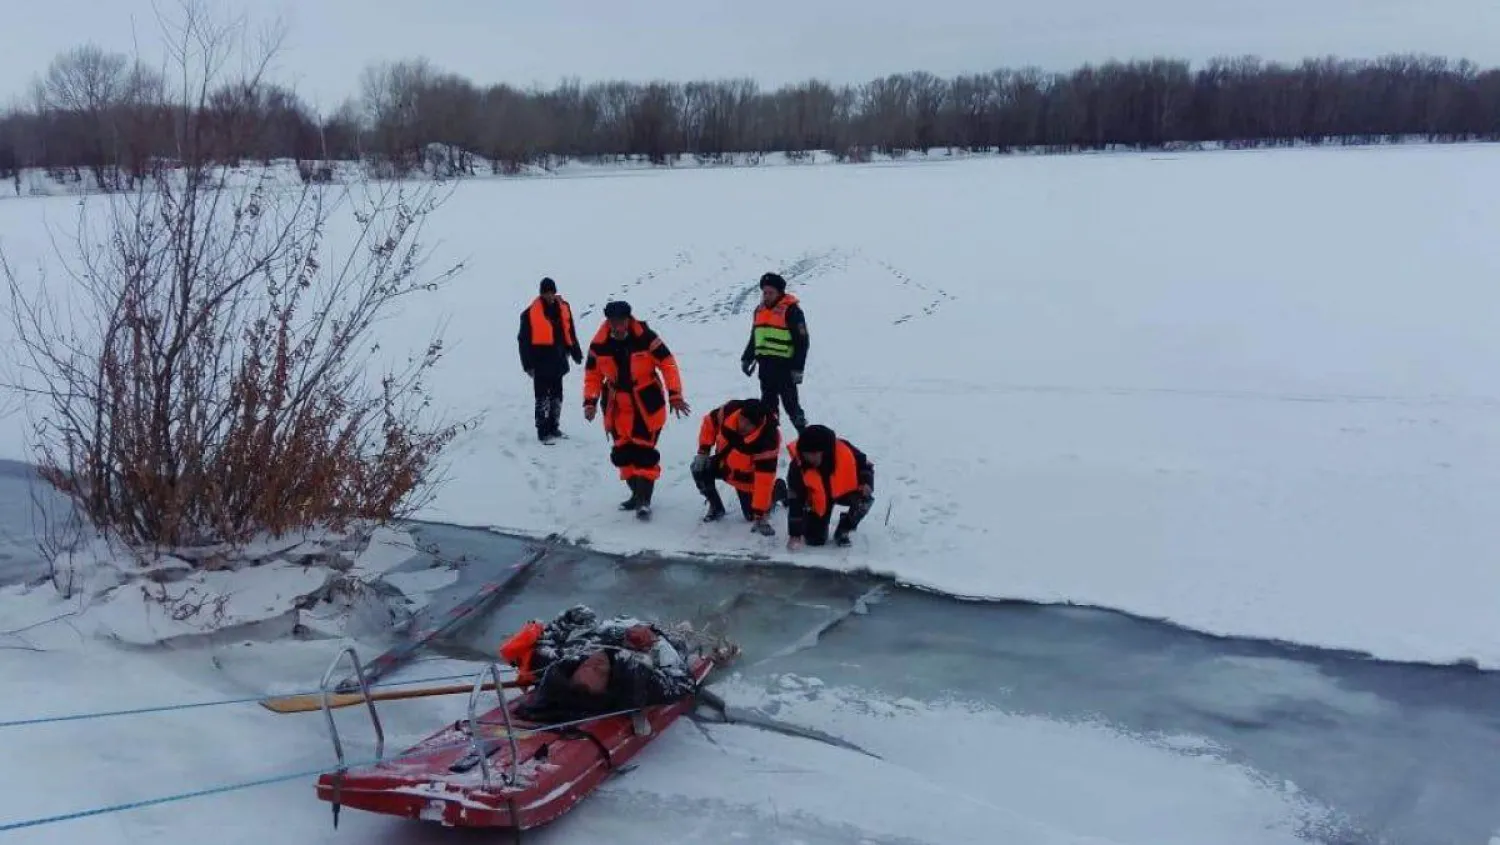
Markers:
{"x": 778, "y": 346}
{"x": 547, "y": 340}
{"x": 626, "y": 367}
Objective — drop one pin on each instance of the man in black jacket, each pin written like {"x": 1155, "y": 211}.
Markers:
{"x": 778, "y": 346}
{"x": 826, "y": 470}
{"x": 547, "y": 340}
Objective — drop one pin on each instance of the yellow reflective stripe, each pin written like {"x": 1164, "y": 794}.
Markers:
{"x": 772, "y": 340}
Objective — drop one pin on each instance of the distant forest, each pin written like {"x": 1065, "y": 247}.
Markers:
{"x": 106, "y": 113}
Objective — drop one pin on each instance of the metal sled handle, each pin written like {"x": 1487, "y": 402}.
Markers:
{"x": 493, "y": 671}
{"x": 364, "y": 689}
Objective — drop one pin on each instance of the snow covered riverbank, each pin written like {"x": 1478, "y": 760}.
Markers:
{"x": 1165, "y": 384}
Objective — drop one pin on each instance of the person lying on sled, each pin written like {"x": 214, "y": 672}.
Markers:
{"x": 581, "y": 666}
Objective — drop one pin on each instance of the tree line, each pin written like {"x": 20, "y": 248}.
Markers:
{"x": 105, "y": 113}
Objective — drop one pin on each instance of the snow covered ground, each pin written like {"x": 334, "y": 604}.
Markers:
{"x": 1250, "y": 392}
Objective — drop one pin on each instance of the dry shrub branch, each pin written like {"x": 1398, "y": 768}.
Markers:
{"x": 204, "y": 370}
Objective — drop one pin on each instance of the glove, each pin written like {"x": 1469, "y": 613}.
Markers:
{"x": 748, "y": 365}
{"x": 577, "y": 357}
{"x": 588, "y": 411}
{"x": 793, "y": 543}
{"x": 797, "y": 377}
{"x": 680, "y": 407}
{"x": 701, "y": 463}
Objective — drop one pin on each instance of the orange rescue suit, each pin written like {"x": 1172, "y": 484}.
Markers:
{"x": 638, "y": 414}
{"x": 844, "y": 479}
{"x": 749, "y": 466}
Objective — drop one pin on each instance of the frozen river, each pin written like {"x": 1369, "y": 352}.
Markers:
{"x": 1407, "y": 754}
{"x": 1120, "y": 726}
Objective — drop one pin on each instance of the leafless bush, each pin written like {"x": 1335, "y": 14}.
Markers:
{"x": 206, "y": 381}
{"x": 190, "y": 602}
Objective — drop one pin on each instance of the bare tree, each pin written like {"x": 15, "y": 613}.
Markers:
{"x": 96, "y": 98}
{"x": 204, "y": 377}
{"x": 409, "y": 115}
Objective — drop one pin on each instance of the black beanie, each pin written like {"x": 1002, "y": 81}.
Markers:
{"x": 755, "y": 410}
{"x": 548, "y": 286}
{"x": 773, "y": 280}
{"x": 816, "y": 438}
{"x": 617, "y": 310}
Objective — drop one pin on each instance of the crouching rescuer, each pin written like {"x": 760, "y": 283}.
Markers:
{"x": 625, "y": 371}
{"x": 739, "y": 443}
{"x": 826, "y": 470}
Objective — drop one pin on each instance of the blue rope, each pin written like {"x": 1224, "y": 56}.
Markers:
{"x": 167, "y": 707}
{"x": 166, "y": 799}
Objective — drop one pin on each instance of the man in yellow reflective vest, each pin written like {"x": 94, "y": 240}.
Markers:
{"x": 778, "y": 347}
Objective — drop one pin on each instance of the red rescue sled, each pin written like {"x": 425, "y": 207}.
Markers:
{"x": 510, "y": 773}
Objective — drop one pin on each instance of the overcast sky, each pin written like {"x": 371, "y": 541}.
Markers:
{"x": 774, "y": 41}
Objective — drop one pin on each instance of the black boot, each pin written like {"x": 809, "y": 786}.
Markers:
{"x": 543, "y": 420}
{"x": 841, "y": 531}
{"x": 634, "y": 501}
{"x": 554, "y": 417}
{"x": 643, "y": 508}
{"x": 715, "y": 502}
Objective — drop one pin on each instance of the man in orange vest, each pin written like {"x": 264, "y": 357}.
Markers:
{"x": 739, "y": 443}
{"x": 627, "y": 364}
{"x": 547, "y": 340}
{"x": 778, "y": 346}
{"x": 826, "y": 470}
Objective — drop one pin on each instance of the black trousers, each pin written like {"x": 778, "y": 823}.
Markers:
{"x": 777, "y": 386}
{"x": 815, "y": 528}
{"x": 707, "y": 483}
{"x": 548, "y": 387}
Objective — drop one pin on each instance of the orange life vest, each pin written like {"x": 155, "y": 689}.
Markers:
{"x": 518, "y": 649}
{"x": 771, "y": 336}
{"x": 541, "y": 327}
{"x": 844, "y": 479}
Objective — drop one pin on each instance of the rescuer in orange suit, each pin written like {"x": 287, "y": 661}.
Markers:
{"x": 739, "y": 443}
{"x": 625, "y": 370}
{"x": 547, "y": 340}
{"x": 826, "y": 470}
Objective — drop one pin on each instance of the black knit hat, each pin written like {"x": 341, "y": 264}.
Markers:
{"x": 548, "y": 286}
{"x": 816, "y": 438}
{"x": 754, "y": 409}
{"x": 773, "y": 280}
{"x": 617, "y": 310}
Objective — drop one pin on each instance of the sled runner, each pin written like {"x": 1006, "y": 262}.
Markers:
{"x": 496, "y": 769}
